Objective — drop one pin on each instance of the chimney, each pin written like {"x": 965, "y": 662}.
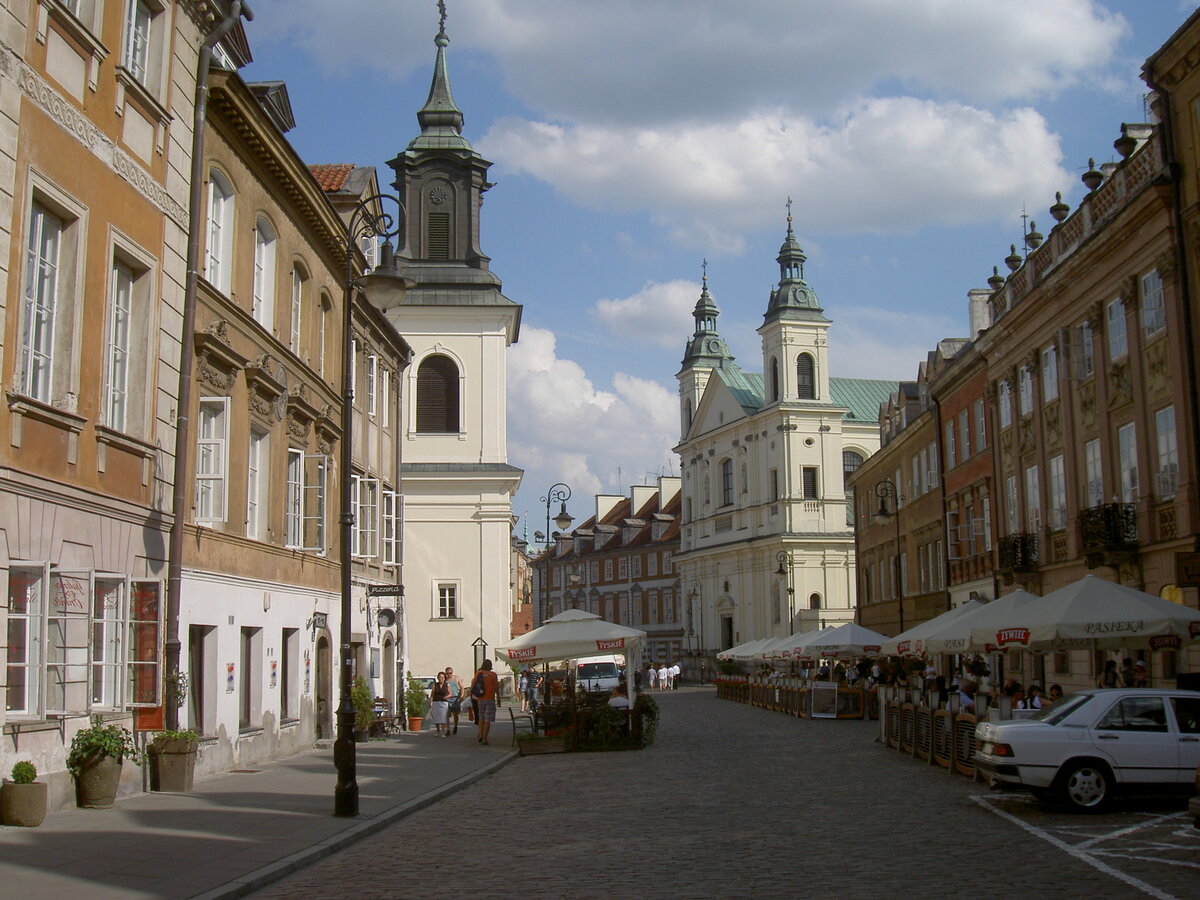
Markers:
{"x": 978, "y": 310}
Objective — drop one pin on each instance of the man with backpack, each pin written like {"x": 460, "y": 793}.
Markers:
{"x": 484, "y": 687}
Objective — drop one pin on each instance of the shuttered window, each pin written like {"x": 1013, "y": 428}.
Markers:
{"x": 805, "y": 385}
{"x": 439, "y": 235}
{"x": 437, "y": 396}
{"x": 809, "y": 482}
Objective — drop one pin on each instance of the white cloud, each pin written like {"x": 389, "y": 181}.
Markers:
{"x": 658, "y": 314}
{"x": 562, "y": 427}
{"x": 883, "y": 166}
{"x": 875, "y": 342}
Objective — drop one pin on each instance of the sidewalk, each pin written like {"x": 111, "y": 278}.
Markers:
{"x": 238, "y": 831}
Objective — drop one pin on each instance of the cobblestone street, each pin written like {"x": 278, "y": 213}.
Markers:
{"x": 733, "y": 801}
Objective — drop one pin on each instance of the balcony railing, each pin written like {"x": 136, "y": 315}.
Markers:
{"x": 1018, "y": 552}
{"x": 1109, "y": 527}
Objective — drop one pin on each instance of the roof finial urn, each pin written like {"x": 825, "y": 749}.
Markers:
{"x": 1013, "y": 260}
{"x": 1034, "y": 238}
{"x": 1092, "y": 177}
{"x": 1059, "y": 210}
{"x": 997, "y": 280}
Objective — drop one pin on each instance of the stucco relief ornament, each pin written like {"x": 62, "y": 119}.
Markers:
{"x": 438, "y": 195}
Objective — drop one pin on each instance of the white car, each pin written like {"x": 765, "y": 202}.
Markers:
{"x": 1094, "y": 743}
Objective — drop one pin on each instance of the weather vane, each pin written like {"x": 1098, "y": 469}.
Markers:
{"x": 789, "y": 209}
{"x": 442, "y": 16}
{"x": 704, "y": 269}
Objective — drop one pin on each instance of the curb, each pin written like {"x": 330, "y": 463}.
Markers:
{"x": 281, "y": 868}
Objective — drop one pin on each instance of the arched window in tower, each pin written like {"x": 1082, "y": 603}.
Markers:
{"x": 689, "y": 413}
{"x": 774, "y": 379}
{"x": 814, "y": 601}
{"x": 851, "y": 460}
{"x": 806, "y": 382}
{"x": 437, "y": 396}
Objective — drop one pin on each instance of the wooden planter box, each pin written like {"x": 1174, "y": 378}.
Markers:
{"x": 536, "y": 746}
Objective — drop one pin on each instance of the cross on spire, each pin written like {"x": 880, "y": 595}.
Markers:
{"x": 704, "y": 269}
{"x": 789, "y": 209}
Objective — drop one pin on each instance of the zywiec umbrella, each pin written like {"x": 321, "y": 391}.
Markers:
{"x": 570, "y": 635}
{"x": 742, "y": 651}
{"x": 912, "y": 641}
{"x": 785, "y": 649}
{"x": 1092, "y": 614}
{"x": 955, "y": 635}
{"x": 849, "y": 639}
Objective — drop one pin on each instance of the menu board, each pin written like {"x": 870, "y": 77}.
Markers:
{"x": 824, "y": 700}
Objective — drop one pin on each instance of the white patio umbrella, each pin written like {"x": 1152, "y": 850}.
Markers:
{"x": 750, "y": 651}
{"x": 955, "y": 635}
{"x": 1093, "y": 614}
{"x": 574, "y": 633}
{"x": 785, "y": 648}
{"x": 912, "y": 641}
{"x": 735, "y": 651}
{"x": 848, "y": 639}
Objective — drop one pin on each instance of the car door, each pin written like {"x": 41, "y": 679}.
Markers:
{"x": 1187, "y": 723}
{"x": 1135, "y": 734}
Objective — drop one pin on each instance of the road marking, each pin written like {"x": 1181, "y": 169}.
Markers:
{"x": 1081, "y": 855}
{"x": 1124, "y": 831}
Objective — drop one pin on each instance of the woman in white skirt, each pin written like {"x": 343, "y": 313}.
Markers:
{"x": 440, "y": 707}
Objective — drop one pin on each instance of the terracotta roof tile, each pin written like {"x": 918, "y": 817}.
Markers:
{"x": 332, "y": 177}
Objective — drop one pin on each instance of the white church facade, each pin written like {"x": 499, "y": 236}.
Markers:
{"x": 767, "y": 548}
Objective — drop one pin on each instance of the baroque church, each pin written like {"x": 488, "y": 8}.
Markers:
{"x": 458, "y": 485}
{"x": 767, "y": 546}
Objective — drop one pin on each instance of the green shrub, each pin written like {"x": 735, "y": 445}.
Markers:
{"x": 415, "y": 699}
{"x": 24, "y": 772}
{"x": 99, "y": 739}
{"x": 161, "y": 737}
{"x": 645, "y": 716}
{"x": 363, "y": 702}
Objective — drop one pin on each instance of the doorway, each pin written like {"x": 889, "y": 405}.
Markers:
{"x": 324, "y": 690}
{"x": 726, "y": 632}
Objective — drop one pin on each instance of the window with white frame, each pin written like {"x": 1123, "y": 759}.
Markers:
{"x": 219, "y": 252}
{"x": 212, "y": 460}
{"x": 666, "y": 566}
{"x": 1154, "y": 315}
{"x": 354, "y": 369}
{"x": 1004, "y": 398}
{"x": 257, "y": 479}
{"x": 127, "y": 329}
{"x": 1049, "y": 374}
{"x": 608, "y": 570}
{"x": 652, "y": 565}
{"x": 980, "y": 425}
{"x": 385, "y": 398}
{"x": 1118, "y": 342}
{"x": 40, "y": 306}
{"x": 986, "y": 523}
{"x": 322, "y": 317}
{"x": 365, "y": 496}
{"x": 1128, "y": 462}
{"x": 117, "y": 380}
{"x": 298, "y": 279}
{"x": 949, "y": 443}
{"x": 80, "y": 642}
{"x": 635, "y": 567}
{"x": 262, "y": 305}
{"x": 1010, "y": 503}
{"x": 304, "y": 511}
{"x": 1033, "y": 500}
{"x": 964, "y": 434}
{"x": 1093, "y": 475}
{"x": 372, "y": 380}
{"x": 446, "y": 600}
{"x": 1024, "y": 390}
{"x": 393, "y": 527}
{"x": 623, "y": 568}
{"x": 1168, "y": 453}
{"x": 1057, "y": 518}
{"x": 139, "y": 15}
{"x": 1085, "y": 359}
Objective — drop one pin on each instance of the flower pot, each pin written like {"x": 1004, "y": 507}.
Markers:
{"x": 173, "y": 765}
{"x": 415, "y": 722}
{"x": 361, "y": 736}
{"x": 537, "y": 746}
{"x": 23, "y": 804}
{"x": 96, "y": 785}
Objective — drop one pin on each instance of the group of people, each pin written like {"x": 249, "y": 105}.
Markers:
{"x": 447, "y": 697}
{"x": 1131, "y": 675}
{"x": 529, "y": 682}
{"x": 1034, "y": 698}
{"x": 663, "y": 678}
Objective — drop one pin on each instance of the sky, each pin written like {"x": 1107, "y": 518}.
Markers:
{"x": 634, "y": 139}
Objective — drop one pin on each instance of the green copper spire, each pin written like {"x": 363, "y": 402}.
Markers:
{"x": 440, "y": 118}
{"x": 706, "y": 348}
{"x": 793, "y": 297}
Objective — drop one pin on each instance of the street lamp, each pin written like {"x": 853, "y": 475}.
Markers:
{"x": 885, "y": 490}
{"x": 383, "y": 287}
{"x": 557, "y": 493}
{"x": 783, "y": 556}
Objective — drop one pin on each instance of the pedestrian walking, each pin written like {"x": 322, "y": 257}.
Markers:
{"x": 439, "y": 706}
{"x": 454, "y": 683}
{"x": 484, "y": 687}
{"x": 652, "y": 677}
{"x": 523, "y": 689}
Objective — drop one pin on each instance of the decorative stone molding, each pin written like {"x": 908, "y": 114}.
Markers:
{"x": 1167, "y": 265}
{"x": 1028, "y": 434}
{"x": 217, "y": 363}
{"x": 1120, "y": 385}
{"x": 1052, "y": 423}
{"x": 301, "y": 413}
{"x": 1087, "y": 404}
{"x": 1158, "y": 365}
{"x": 267, "y": 385}
{"x": 1128, "y": 292}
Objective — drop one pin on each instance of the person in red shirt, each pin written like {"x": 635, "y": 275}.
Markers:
{"x": 484, "y": 687}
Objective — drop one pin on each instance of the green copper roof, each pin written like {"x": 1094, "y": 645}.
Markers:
{"x": 746, "y": 387}
{"x": 793, "y": 299}
{"x": 861, "y": 396}
{"x": 441, "y": 120}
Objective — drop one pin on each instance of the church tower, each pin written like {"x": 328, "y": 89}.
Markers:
{"x": 705, "y": 351}
{"x": 794, "y": 332}
{"x": 456, "y": 480}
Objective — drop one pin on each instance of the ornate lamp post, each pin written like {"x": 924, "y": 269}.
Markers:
{"x": 557, "y": 493}
{"x": 383, "y": 287}
{"x": 885, "y": 490}
{"x": 785, "y": 575}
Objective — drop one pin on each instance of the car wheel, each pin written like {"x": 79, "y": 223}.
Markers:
{"x": 1085, "y": 786}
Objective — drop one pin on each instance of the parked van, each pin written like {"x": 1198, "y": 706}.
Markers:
{"x": 598, "y": 673}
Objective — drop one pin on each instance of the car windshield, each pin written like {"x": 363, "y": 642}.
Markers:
{"x": 1054, "y": 714}
{"x": 598, "y": 670}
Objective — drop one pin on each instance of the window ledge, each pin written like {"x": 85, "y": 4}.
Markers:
{"x": 250, "y": 731}
{"x": 141, "y": 94}
{"x": 445, "y": 618}
{"x": 44, "y": 412}
{"x": 289, "y": 723}
{"x": 126, "y": 442}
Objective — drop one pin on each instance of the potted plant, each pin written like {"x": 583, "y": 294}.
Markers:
{"x": 414, "y": 704}
{"x": 364, "y": 708}
{"x": 22, "y": 799}
{"x": 172, "y": 758}
{"x": 95, "y": 760}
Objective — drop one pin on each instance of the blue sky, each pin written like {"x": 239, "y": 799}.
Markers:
{"x": 634, "y": 138}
